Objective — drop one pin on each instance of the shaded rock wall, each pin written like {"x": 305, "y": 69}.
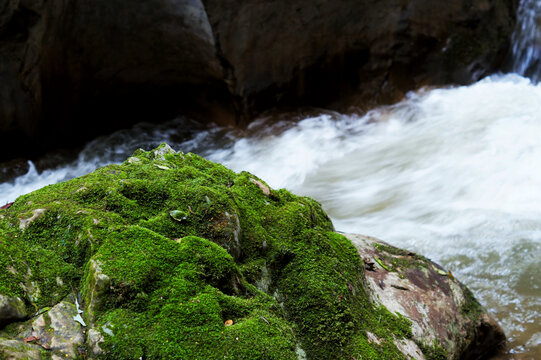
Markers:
{"x": 318, "y": 51}
{"x": 70, "y": 70}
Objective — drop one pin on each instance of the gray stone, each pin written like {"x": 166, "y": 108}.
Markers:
{"x": 94, "y": 339}
{"x": 11, "y": 309}
{"x": 23, "y": 223}
{"x": 18, "y": 350}
{"x": 59, "y": 332}
{"x": 160, "y": 152}
{"x": 98, "y": 286}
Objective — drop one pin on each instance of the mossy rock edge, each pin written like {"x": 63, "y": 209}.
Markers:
{"x": 174, "y": 256}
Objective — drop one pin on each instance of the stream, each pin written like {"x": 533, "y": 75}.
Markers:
{"x": 450, "y": 173}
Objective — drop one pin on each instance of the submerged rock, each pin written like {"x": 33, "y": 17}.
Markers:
{"x": 247, "y": 272}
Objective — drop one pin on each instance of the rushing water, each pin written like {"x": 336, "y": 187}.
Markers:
{"x": 450, "y": 173}
{"x": 526, "y": 40}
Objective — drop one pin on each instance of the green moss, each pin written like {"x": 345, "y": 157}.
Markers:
{"x": 471, "y": 307}
{"x": 34, "y": 273}
{"x": 433, "y": 352}
{"x": 184, "y": 317}
{"x": 395, "y": 259}
{"x": 167, "y": 247}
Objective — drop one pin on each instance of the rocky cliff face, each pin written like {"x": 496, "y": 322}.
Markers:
{"x": 318, "y": 51}
{"x": 84, "y": 67}
{"x": 171, "y": 256}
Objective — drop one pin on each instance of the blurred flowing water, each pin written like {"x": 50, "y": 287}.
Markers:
{"x": 450, "y": 173}
{"x": 526, "y": 40}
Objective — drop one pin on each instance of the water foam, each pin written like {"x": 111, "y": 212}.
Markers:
{"x": 450, "y": 173}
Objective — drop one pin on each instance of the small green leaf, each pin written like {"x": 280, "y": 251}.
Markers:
{"x": 378, "y": 260}
{"x": 178, "y": 215}
{"x": 441, "y": 272}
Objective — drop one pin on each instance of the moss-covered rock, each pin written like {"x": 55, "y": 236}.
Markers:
{"x": 174, "y": 256}
{"x": 447, "y": 321}
{"x": 18, "y": 350}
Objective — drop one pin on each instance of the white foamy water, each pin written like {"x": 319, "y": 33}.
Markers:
{"x": 114, "y": 148}
{"x": 450, "y": 173}
{"x": 453, "y": 174}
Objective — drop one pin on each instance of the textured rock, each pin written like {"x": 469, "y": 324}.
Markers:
{"x": 446, "y": 318}
{"x": 52, "y": 334}
{"x": 98, "y": 285}
{"x": 11, "y": 309}
{"x": 59, "y": 333}
{"x": 23, "y": 223}
{"x": 18, "y": 350}
{"x": 123, "y": 61}
{"x": 318, "y": 51}
{"x": 173, "y": 251}
{"x": 86, "y": 67}
{"x": 20, "y": 43}
{"x": 112, "y": 63}
{"x": 94, "y": 338}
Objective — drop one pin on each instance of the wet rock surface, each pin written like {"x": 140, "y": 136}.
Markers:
{"x": 17, "y": 349}
{"x": 60, "y": 332}
{"x": 72, "y": 70}
{"x": 316, "y": 52}
{"x": 446, "y": 318}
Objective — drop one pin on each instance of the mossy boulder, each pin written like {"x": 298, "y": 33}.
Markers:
{"x": 447, "y": 321}
{"x": 173, "y": 256}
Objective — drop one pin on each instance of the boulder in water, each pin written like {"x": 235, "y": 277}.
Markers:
{"x": 447, "y": 321}
{"x": 248, "y": 272}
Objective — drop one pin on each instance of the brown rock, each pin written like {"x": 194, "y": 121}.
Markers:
{"x": 442, "y": 310}
{"x": 306, "y": 51}
{"x": 70, "y": 70}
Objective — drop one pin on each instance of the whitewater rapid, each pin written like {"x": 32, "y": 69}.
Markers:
{"x": 450, "y": 173}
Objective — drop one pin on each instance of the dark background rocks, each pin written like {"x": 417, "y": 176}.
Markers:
{"x": 71, "y": 70}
